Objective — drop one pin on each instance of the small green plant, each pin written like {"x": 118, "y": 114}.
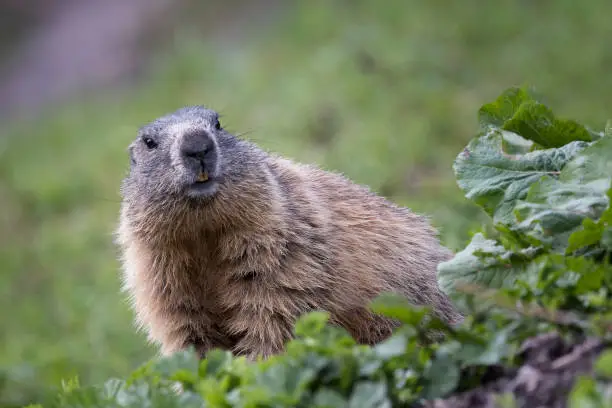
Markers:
{"x": 541, "y": 275}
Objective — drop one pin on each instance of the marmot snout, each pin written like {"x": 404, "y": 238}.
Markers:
{"x": 225, "y": 245}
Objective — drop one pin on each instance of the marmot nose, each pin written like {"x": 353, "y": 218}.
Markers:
{"x": 196, "y": 144}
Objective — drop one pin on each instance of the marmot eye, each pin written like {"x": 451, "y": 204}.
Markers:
{"x": 150, "y": 143}
{"x": 217, "y": 125}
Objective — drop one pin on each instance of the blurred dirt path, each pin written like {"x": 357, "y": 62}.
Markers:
{"x": 84, "y": 45}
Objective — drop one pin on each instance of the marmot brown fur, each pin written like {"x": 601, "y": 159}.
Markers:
{"x": 224, "y": 245}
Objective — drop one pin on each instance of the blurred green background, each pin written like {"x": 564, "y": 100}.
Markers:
{"x": 384, "y": 91}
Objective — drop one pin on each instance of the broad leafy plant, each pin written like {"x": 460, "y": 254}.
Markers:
{"x": 545, "y": 182}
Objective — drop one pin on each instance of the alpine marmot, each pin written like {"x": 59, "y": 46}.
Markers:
{"x": 225, "y": 245}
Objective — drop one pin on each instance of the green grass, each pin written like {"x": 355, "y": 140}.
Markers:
{"x": 385, "y": 94}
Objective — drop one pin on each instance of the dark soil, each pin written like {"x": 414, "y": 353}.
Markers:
{"x": 545, "y": 379}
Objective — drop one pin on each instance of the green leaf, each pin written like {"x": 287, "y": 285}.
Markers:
{"x": 484, "y": 262}
{"x": 513, "y": 144}
{"x": 603, "y": 365}
{"x": 516, "y": 111}
{"x": 216, "y": 361}
{"x": 397, "y": 307}
{"x": 185, "y": 361}
{"x": 311, "y": 324}
{"x": 555, "y": 207}
{"x": 297, "y": 380}
{"x": 606, "y": 239}
{"x": 392, "y": 347}
{"x": 506, "y": 400}
{"x": 590, "y": 274}
{"x": 537, "y": 122}
{"x": 274, "y": 379}
{"x": 112, "y": 387}
{"x": 496, "y": 349}
{"x": 369, "y": 394}
{"x": 504, "y": 107}
{"x": 592, "y": 232}
{"x": 442, "y": 377}
{"x": 496, "y": 180}
{"x": 327, "y": 398}
{"x": 584, "y": 394}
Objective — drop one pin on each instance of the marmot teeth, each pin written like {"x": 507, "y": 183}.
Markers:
{"x": 203, "y": 177}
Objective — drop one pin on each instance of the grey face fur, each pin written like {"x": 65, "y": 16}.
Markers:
{"x": 171, "y": 152}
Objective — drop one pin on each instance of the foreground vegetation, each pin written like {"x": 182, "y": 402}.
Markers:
{"x": 536, "y": 286}
{"x": 386, "y": 95}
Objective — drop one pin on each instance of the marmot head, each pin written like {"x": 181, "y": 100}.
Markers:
{"x": 180, "y": 154}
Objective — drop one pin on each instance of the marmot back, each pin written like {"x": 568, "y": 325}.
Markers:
{"x": 224, "y": 245}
